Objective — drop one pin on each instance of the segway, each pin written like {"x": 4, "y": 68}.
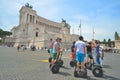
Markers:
{"x": 96, "y": 69}
{"x": 89, "y": 64}
{"x": 72, "y": 63}
{"x": 55, "y": 67}
{"x": 50, "y": 58}
{"x": 80, "y": 73}
{"x": 59, "y": 59}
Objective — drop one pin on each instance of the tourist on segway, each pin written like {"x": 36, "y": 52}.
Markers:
{"x": 54, "y": 66}
{"x": 72, "y": 55}
{"x": 60, "y": 53}
{"x": 101, "y": 56}
{"x": 96, "y": 68}
{"x": 96, "y": 52}
{"x": 55, "y": 50}
{"x": 89, "y": 56}
{"x": 80, "y": 54}
{"x": 50, "y": 50}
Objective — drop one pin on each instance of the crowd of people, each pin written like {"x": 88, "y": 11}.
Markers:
{"x": 55, "y": 49}
{"x": 81, "y": 51}
{"x": 84, "y": 52}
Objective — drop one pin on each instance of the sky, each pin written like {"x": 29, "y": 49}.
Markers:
{"x": 102, "y": 16}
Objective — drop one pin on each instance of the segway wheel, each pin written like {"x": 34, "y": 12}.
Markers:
{"x": 50, "y": 59}
{"x": 55, "y": 68}
{"x": 61, "y": 63}
{"x": 85, "y": 73}
{"x": 75, "y": 73}
{"x": 50, "y": 65}
{"x": 72, "y": 63}
{"x": 88, "y": 66}
{"x": 97, "y": 72}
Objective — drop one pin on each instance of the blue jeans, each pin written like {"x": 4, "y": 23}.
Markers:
{"x": 97, "y": 58}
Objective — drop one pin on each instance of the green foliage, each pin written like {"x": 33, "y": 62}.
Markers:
{"x": 4, "y": 33}
{"x": 109, "y": 43}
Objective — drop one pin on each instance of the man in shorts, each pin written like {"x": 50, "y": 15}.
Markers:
{"x": 56, "y": 47}
{"x": 80, "y": 53}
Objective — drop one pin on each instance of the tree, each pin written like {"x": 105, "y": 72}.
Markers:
{"x": 109, "y": 42}
{"x": 104, "y": 42}
{"x": 4, "y": 33}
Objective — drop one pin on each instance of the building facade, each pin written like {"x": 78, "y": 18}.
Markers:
{"x": 117, "y": 41}
{"x": 36, "y": 30}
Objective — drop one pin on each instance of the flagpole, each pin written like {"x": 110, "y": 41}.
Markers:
{"x": 93, "y": 33}
{"x": 80, "y": 27}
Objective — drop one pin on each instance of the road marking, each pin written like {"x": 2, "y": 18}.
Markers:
{"x": 40, "y": 60}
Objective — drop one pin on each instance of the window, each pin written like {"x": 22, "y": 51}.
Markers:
{"x": 30, "y": 18}
{"x": 33, "y": 19}
{"x": 36, "y": 34}
{"x": 23, "y": 30}
{"x": 27, "y": 17}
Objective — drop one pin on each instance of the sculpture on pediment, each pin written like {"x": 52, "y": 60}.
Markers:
{"x": 28, "y": 5}
{"x": 116, "y": 36}
{"x": 64, "y": 23}
{"x": 63, "y": 20}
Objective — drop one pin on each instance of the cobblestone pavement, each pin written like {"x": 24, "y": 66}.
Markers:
{"x": 32, "y": 65}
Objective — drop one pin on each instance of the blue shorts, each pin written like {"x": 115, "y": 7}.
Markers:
{"x": 79, "y": 57}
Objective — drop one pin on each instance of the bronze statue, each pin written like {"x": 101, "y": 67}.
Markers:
{"x": 63, "y": 20}
{"x": 29, "y": 6}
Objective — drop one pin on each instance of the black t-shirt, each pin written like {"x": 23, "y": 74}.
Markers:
{"x": 72, "y": 48}
{"x": 89, "y": 48}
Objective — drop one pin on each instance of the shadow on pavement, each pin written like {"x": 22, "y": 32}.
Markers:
{"x": 107, "y": 66}
{"x": 64, "y": 74}
{"x": 110, "y": 77}
{"x": 65, "y": 67}
{"x": 90, "y": 78}
{"x": 105, "y": 77}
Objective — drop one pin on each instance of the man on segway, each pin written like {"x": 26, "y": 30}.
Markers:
{"x": 55, "y": 65}
{"x": 80, "y": 53}
{"x": 55, "y": 50}
{"x": 97, "y": 69}
{"x": 89, "y": 56}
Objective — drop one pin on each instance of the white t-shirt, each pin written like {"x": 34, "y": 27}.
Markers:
{"x": 80, "y": 47}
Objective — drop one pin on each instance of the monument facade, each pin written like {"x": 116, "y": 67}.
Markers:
{"x": 36, "y": 30}
{"x": 117, "y": 41}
